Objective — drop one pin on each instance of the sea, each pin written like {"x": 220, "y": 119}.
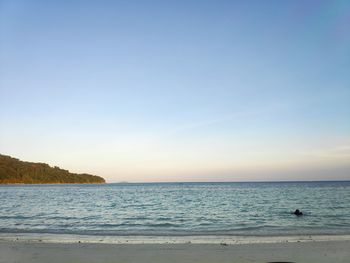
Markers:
{"x": 177, "y": 209}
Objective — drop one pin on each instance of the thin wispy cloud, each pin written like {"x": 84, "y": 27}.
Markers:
{"x": 339, "y": 152}
{"x": 226, "y": 118}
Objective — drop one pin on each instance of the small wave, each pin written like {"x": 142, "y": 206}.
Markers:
{"x": 163, "y": 225}
{"x": 17, "y": 217}
{"x": 137, "y": 218}
{"x": 130, "y": 225}
{"x": 164, "y": 219}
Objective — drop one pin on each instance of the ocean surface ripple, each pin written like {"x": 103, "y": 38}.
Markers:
{"x": 177, "y": 208}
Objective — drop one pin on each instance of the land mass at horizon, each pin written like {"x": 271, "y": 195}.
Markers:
{"x": 15, "y": 171}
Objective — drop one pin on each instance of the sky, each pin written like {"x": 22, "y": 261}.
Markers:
{"x": 159, "y": 91}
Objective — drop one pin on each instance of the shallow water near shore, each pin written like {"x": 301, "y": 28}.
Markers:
{"x": 177, "y": 209}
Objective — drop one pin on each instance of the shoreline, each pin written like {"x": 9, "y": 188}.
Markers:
{"x": 212, "y": 239}
{"x": 288, "y": 252}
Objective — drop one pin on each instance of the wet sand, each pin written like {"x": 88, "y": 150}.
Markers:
{"x": 308, "y": 252}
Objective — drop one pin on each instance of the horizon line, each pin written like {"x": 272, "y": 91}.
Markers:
{"x": 261, "y": 181}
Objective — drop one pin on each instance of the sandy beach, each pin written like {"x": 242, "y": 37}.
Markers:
{"x": 305, "y": 250}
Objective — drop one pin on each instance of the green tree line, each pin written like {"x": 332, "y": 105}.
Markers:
{"x": 15, "y": 171}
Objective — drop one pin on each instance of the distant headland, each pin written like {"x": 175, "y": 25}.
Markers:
{"x": 15, "y": 171}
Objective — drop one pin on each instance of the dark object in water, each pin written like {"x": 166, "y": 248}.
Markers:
{"x": 298, "y": 212}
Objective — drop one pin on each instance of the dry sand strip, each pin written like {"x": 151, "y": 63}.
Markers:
{"x": 299, "y": 252}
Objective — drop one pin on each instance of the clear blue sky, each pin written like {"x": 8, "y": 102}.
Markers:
{"x": 178, "y": 90}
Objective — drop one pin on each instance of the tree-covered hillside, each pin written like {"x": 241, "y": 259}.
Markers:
{"x": 14, "y": 171}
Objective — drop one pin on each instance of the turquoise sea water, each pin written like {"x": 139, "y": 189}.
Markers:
{"x": 177, "y": 208}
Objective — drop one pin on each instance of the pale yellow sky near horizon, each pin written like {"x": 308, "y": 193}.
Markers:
{"x": 135, "y": 159}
